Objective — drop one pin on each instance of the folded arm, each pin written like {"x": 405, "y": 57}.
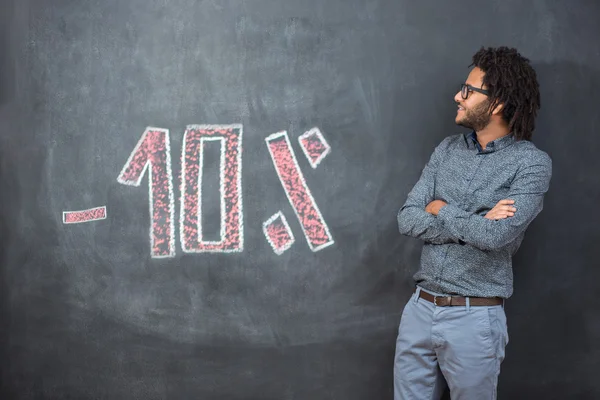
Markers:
{"x": 527, "y": 191}
{"x": 413, "y": 220}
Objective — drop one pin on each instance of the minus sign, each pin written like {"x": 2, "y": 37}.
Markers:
{"x": 92, "y": 214}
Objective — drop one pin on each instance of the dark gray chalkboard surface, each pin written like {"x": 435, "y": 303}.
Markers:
{"x": 109, "y": 309}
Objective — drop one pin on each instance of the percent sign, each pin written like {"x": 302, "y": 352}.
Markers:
{"x": 152, "y": 154}
{"x": 276, "y": 228}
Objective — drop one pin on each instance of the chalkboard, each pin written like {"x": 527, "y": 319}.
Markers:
{"x": 198, "y": 199}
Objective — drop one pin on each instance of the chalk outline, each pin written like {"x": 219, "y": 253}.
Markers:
{"x": 306, "y": 134}
{"x": 222, "y": 232}
{"x": 65, "y": 213}
{"x": 303, "y": 181}
{"x": 281, "y": 250}
{"x": 222, "y": 224}
{"x": 137, "y": 183}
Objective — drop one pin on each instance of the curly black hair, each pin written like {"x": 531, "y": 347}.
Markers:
{"x": 511, "y": 81}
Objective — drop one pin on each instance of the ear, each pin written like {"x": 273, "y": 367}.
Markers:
{"x": 497, "y": 109}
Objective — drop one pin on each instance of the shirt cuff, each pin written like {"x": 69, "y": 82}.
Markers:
{"x": 454, "y": 218}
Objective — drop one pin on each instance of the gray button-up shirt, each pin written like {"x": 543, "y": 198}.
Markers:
{"x": 465, "y": 253}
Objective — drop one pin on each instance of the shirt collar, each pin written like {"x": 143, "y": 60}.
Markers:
{"x": 492, "y": 146}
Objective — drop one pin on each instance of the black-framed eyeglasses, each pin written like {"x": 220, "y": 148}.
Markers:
{"x": 465, "y": 89}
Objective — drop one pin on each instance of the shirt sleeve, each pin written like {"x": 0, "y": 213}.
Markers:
{"x": 527, "y": 190}
{"x": 413, "y": 220}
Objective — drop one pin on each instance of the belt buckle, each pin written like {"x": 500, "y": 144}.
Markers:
{"x": 449, "y": 298}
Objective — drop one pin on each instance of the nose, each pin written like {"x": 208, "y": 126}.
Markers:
{"x": 458, "y": 97}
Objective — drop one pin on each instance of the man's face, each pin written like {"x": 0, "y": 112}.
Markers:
{"x": 473, "y": 112}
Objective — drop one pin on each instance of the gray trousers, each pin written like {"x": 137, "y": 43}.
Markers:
{"x": 458, "y": 347}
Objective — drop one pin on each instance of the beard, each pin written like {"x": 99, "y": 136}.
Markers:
{"x": 477, "y": 117}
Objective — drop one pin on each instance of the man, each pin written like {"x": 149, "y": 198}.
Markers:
{"x": 471, "y": 206}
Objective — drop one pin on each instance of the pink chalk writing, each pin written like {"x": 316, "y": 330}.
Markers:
{"x": 313, "y": 225}
{"x": 153, "y": 149}
{"x": 231, "y": 234}
{"x": 92, "y": 214}
{"x": 314, "y": 146}
{"x": 278, "y": 233}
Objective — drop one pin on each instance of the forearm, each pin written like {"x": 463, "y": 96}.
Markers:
{"x": 527, "y": 191}
{"x": 484, "y": 233}
{"x": 414, "y": 221}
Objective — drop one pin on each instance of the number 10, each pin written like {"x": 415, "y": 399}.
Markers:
{"x": 153, "y": 150}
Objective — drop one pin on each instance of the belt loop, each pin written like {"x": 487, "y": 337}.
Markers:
{"x": 417, "y": 294}
{"x": 468, "y": 301}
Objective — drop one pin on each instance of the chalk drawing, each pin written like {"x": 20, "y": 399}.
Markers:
{"x": 92, "y": 214}
{"x": 278, "y": 233}
{"x": 299, "y": 195}
{"x": 314, "y": 146}
{"x": 154, "y": 149}
{"x": 230, "y": 189}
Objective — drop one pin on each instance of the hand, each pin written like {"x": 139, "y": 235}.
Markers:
{"x": 435, "y": 206}
{"x": 502, "y": 210}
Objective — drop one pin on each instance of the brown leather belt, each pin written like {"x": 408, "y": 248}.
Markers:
{"x": 446, "y": 301}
